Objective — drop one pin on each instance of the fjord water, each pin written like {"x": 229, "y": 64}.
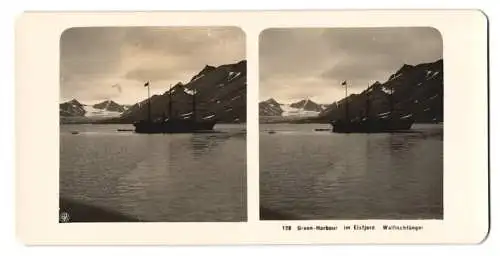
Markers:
{"x": 320, "y": 175}
{"x": 156, "y": 177}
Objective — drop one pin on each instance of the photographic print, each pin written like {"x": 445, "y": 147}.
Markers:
{"x": 339, "y": 139}
{"x": 152, "y": 124}
{"x": 351, "y": 123}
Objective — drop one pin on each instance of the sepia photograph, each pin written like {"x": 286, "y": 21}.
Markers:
{"x": 351, "y": 123}
{"x": 152, "y": 124}
{"x": 138, "y": 128}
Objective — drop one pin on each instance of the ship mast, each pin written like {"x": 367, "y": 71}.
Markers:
{"x": 149, "y": 102}
{"x": 346, "y": 102}
{"x": 391, "y": 102}
{"x": 367, "y": 113}
{"x": 194, "y": 104}
{"x": 170, "y": 102}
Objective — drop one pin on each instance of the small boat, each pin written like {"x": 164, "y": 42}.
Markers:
{"x": 125, "y": 130}
{"x": 321, "y": 129}
{"x": 373, "y": 125}
{"x": 74, "y": 132}
{"x": 174, "y": 126}
{"x": 271, "y": 132}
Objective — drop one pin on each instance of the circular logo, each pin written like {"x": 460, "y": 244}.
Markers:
{"x": 64, "y": 217}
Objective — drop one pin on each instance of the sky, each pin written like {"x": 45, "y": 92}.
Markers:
{"x": 100, "y": 63}
{"x": 299, "y": 63}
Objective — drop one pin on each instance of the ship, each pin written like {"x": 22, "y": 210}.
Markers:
{"x": 388, "y": 122}
{"x": 173, "y": 124}
{"x": 374, "y": 125}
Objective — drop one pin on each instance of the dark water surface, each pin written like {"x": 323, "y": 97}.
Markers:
{"x": 156, "y": 177}
{"x": 307, "y": 174}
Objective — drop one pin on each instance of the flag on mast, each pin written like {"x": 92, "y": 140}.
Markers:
{"x": 344, "y": 83}
{"x": 146, "y": 84}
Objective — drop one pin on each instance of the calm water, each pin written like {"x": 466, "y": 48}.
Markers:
{"x": 308, "y": 174}
{"x": 176, "y": 177}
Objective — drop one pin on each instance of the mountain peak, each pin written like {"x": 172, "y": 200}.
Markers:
{"x": 438, "y": 64}
{"x": 75, "y": 102}
{"x": 271, "y": 100}
{"x": 108, "y": 101}
{"x": 241, "y": 64}
{"x": 207, "y": 69}
{"x": 404, "y": 68}
{"x": 109, "y": 105}
{"x": 418, "y": 90}
{"x": 306, "y": 104}
{"x": 71, "y": 108}
{"x": 220, "y": 94}
{"x": 303, "y": 101}
{"x": 270, "y": 107}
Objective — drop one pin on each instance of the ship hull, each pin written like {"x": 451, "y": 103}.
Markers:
{"x": 372, "y": 126}
{"x": 174, "y": 126}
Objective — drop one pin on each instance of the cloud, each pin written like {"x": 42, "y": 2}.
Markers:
{"x": 311, "y": 62}
{"x": 93, "y": 59}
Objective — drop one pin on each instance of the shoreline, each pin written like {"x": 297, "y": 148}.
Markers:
{"x": 268, "y": 214}
{"x": 82, "y": 212}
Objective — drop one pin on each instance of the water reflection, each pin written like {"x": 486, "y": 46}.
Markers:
{"x": 156, "y": 177}
{"x": 398, "y": 143}
{"x": 204, "y": 143}
{"x": 322, "y": 175}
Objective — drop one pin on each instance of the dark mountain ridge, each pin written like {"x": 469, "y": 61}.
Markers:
{"x": 74, "y": 108}
{"x": 416, "y": 90}
{"x": 307, "y": 105}
{"x": 110, "y": 105}
{"x": 270, "y": 107}
{"x": 220, "y": 94}
{"x": 71, "y": 108}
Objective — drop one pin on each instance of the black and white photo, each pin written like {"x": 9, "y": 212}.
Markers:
{"x": 152, "y": 124}
{"x": 351, "y": 123}
{"x": 252, "y": 127}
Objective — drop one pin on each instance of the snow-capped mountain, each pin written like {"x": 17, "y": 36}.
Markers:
{"x": 220, "y": 94}
{"x": 107, "y": 108}
{"x": 71, "y": 108}
{"x": 270, "y": 107}
{"x": 307, "y": 105}
{"x": 302, "y": 108}
{"x": 413, "y": 89}
{"x": 110, "y": 105}
{"x": 416, "y": 90}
